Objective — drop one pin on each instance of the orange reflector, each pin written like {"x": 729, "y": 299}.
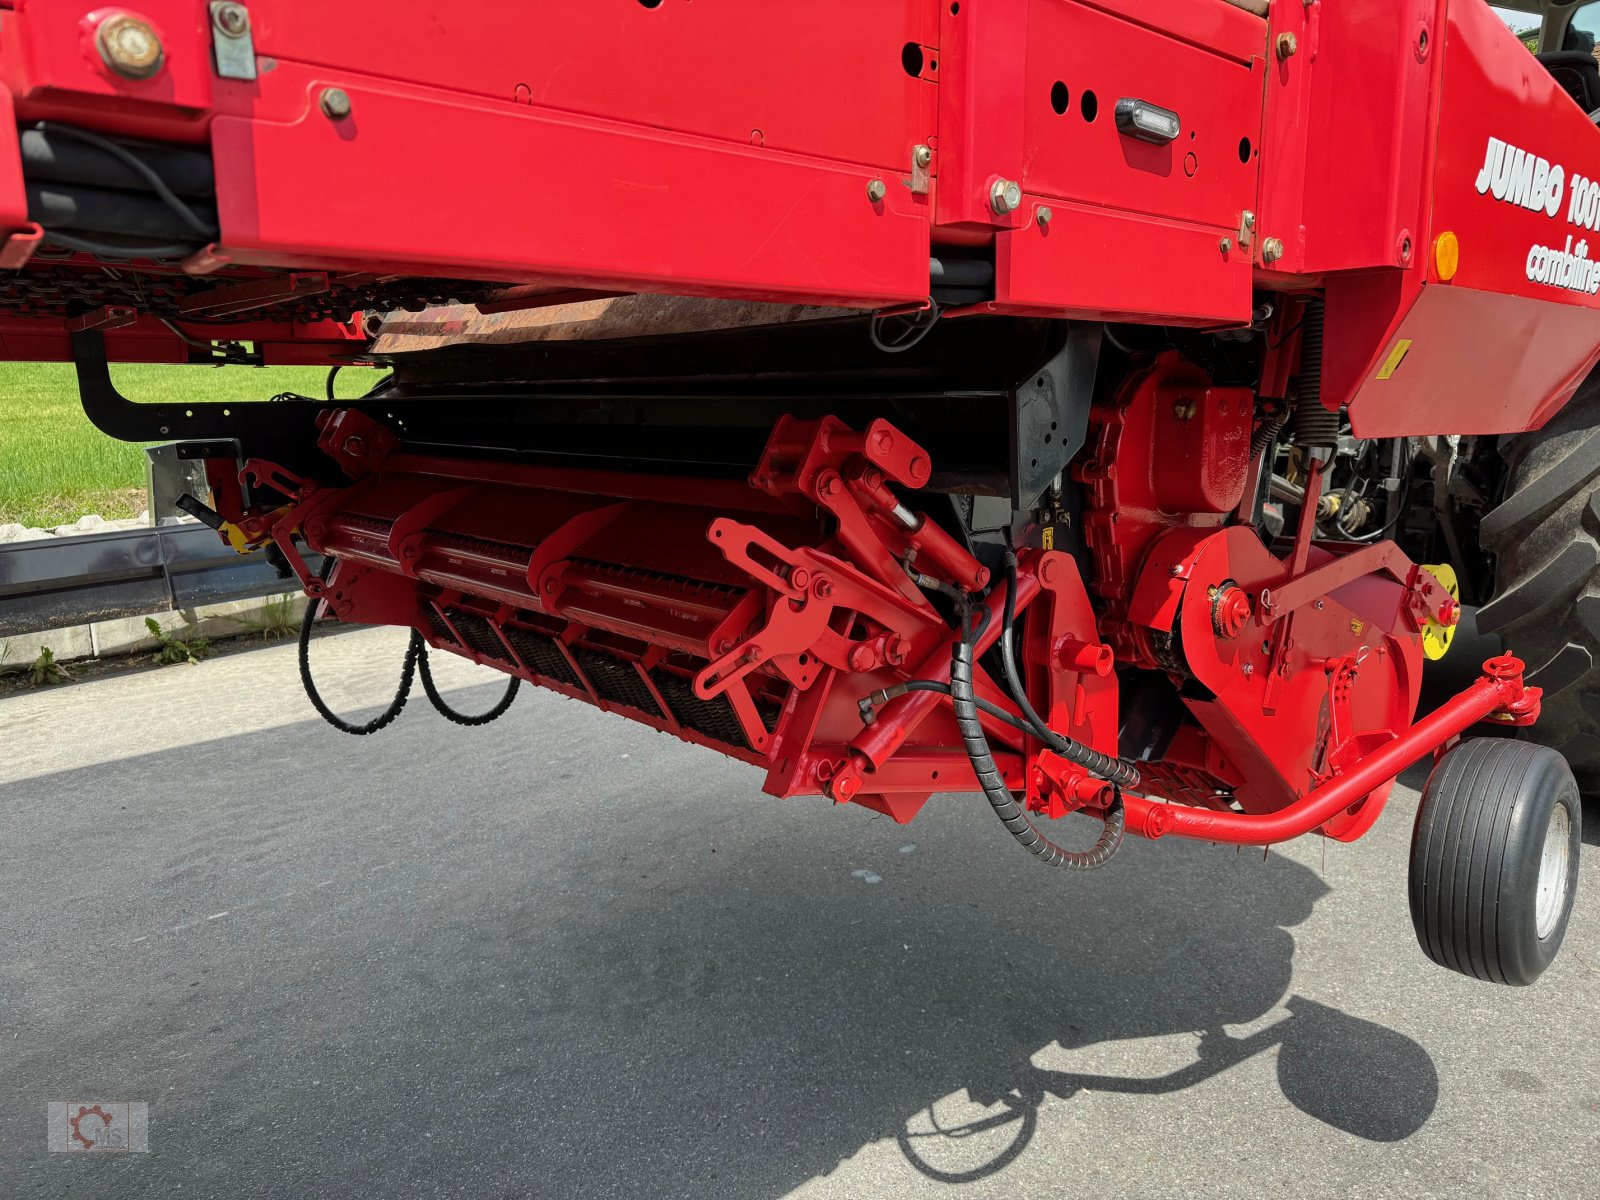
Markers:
{"x": 1446, "y": 256}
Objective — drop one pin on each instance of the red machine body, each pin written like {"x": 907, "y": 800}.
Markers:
{"x": 562, "y": 149}
{"x": 1401, "y": 167}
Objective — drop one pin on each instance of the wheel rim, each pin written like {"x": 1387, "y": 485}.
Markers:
{"x": 1554, "y": 865}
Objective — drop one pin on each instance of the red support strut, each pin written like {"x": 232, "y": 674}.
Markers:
{"x": 1499, "y": 693}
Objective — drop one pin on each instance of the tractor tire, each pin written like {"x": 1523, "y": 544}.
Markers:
{"x": 1545, "y": 536}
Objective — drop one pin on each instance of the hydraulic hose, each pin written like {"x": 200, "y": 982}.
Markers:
{"x": 1012, "y": 815}
{"x": 416, "y": 660}
{"x": 444, "y": 709}
{"x": 1113, "y": 770}
{"x": 414, "y": 649}
{"x": 869, "y": 703}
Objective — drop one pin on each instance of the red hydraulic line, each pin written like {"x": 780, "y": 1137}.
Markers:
{"x": 1498, "y": 689}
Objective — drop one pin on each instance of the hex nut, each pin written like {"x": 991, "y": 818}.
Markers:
{"x": 335, "y": 103}
{"x": 1271, "y": 250}
{"x": 877, "y": 190}
{"x": 1005, "y": 196}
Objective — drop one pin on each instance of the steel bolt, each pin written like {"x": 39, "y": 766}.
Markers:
{"x": 1225, "y": 245}
{"x": 1288, "y": 45}
{"x": 1183, "y": 409}
{"x": 1271, "y": 250}
{"x": 129, "y": 46}
{"x": 1043, "y": 217}
{"x": 877, "y": 190}
{"x": 231, "y": 20}
{"x": 335, "y": 103}
{"x": 1005, "y": 196}
{"x": 1176, "y": 570}
{"x": 922, "y": 155}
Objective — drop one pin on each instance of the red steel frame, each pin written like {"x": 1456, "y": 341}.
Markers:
{"x": 821, "y": 152}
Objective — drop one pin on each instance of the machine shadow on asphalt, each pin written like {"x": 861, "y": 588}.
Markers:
{"x": 516, "y": 959}
{"x": 1354, "y": 1075}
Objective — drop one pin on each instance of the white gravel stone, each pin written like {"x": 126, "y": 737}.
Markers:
{"x": 21, "y": 533}
{"x": 88, "y": 523}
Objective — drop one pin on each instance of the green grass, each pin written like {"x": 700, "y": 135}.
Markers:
{"x": 55, "y": 466}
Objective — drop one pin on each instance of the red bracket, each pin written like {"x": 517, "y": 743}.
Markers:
{"x": 845, "y": 473}
{"x": 805, "y": 587}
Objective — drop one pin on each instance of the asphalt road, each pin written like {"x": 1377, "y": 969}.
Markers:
{"x": 565, "y": 956}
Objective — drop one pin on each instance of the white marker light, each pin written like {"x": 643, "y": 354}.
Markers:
{"x": 1147, "y": 122}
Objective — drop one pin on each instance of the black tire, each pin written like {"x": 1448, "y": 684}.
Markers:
{"x": 1476, "y": 856}
{"x": 1545, "y": 537}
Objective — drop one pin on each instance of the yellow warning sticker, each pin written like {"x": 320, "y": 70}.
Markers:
{"x": 1396, "y": 357}
{"x": 1049, "y": 537}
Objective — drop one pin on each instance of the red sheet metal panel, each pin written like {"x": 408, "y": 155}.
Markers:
{"x": 1082, "y": 61}
{"x": 49, "y": 57}
{"x": 1516, "y": 171}
{"x": 824, "y": 77}
{"x": 1500, "y": 342}
{"x": 1136, "y": 229}
{"x": 980, "y": 113}
{"x": 1103, "y": 264}
{"x": 1348, "y": 132}
{"x": 512, "y": 191}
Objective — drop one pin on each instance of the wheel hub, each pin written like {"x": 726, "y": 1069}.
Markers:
{"x": 1554, "y": 865}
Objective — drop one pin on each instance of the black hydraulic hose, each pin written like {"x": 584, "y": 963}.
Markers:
{"x": 869, "y": 703}
{"x": 188, "y": 215}
{"x": 1012, "y": 814}
{"x": 129, "y": 214}
{"x": 414, "y": 649}
{"x": 444, "y": 709}
{"x": 63, "y": 154}
{"x": 119, "y": 251}
{"x": 1113, "y": 770}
